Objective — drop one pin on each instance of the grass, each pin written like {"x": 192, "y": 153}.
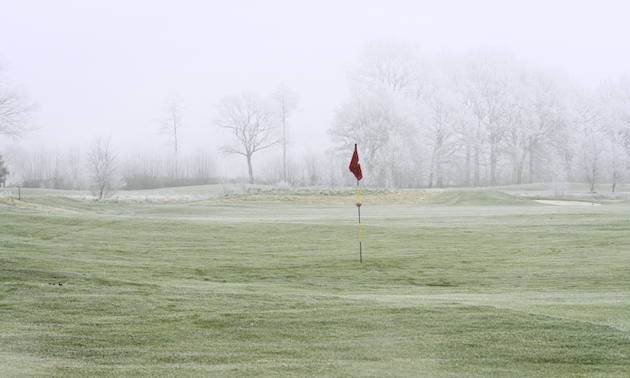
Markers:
{"x": 448, "y": 290}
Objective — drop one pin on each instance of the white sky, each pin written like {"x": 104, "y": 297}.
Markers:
{"x": 105, "y": 67}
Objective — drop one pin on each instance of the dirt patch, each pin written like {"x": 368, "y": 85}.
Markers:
{"x": 334, "y": 197}
{"x": 12, "y": 202}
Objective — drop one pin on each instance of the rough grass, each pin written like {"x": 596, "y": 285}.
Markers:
{"x": 277, "y": 290}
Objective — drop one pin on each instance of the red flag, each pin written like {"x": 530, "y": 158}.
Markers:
{"x": 355, "y": 167}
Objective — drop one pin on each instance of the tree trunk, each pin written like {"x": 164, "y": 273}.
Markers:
{"x": 594, "y": 176}
{"x": 493, "y": 165}
{"x": 176, "y": 154}
{"x": 614, "y": 173}
{"x": 477, "y": 169}
{"x": 284, "y": 150}
{"x": 519, "y": 172}
{"x": 468, "y": 165}
{"x": 249, "y": 169}
{"x": 532, "y": 154}
{"x": 431, "y": 168}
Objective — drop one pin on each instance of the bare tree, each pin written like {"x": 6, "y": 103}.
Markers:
{"x": 145, "y": 170}
{"x": 591, "y": 156}
{"x": 16, "y": 111}
{"x": 622, "y": 111}
{"x": 334, "y": 162}
{"x": 172, "y": 122}
{"x": 592, "y": 143}
{"x": 4, "y": 172}
{"x": 34, "y": 167}
{"x": 75, "y": 176}
{"x": 387, "y": 114}
{"x": 313, "y": 167}
{"x": 485, "y": 117}
{"x": 248, "y": 118}
{"x": 548, "y": 117}
{"x": 439, "y": 115}
{"x": 365, "y": 120}
{"x": 286, "y": 103}
{"x": 615, "y": 111}
{"x": 491, "y": 88}
{"x": 202, "y": 166}
{"x": 101, "y": 159}
{"x": 389, "y": 68}
{"x": 271, "y": 171}
{"x": 43, "y": 167}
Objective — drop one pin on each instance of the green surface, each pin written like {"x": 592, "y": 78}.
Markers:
{"x": 277, "y": 290}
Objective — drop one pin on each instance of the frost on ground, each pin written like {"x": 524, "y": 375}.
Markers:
{"x": 153, "y": 199}
{"x": 252, "y": 194}
{"x": 15, "y": 203}
{"x": 332, "y": 196}
{"x": 568, "y": 203}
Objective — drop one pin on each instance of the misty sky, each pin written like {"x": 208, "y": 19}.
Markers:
{"x": 106, "y": 67}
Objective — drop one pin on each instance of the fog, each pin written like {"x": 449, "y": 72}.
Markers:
{"x": 106, "y": 68}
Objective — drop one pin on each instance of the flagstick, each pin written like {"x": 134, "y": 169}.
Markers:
{"x": 359, "y": 209}
{"x": 355, "y": 168}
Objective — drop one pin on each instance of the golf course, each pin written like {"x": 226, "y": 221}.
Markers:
{"x": 453, "y": 283}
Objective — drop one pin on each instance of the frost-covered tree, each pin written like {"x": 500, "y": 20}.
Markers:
{"x": 484, "y": 117}
{"x": 491, "y": 90}
{"x": 16, "y": 110}
{"x": 439, "y": 115}
{"x": 102, "y": 166}
{"x": 202, "y": 167}
{"x": 171, "y": 124}
{"x": 366, "y": 121}
{"x": 615, "y": 122}
{"x": 592, "y": 144}
{"x": 548, "y": 117}
{"x": 388, "y": 68}
{"x": 4, "y": 172}
{"x": 285, "y": 104}
{"x": 248, "y": 119}
{"x": 380, "y": 115}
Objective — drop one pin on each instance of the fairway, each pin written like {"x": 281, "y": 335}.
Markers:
{"x": 458, "y": 287}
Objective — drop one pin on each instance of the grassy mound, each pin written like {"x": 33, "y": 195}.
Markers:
{"x": 456, "y": 197}
{"x": 26, "y": 205}
{"x": 333, "y": 197}
{"x": 479, "y": 198}
{"x": 201, "y": 196}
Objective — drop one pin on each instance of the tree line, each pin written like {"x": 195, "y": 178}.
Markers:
{"x": 479, "y": 118}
